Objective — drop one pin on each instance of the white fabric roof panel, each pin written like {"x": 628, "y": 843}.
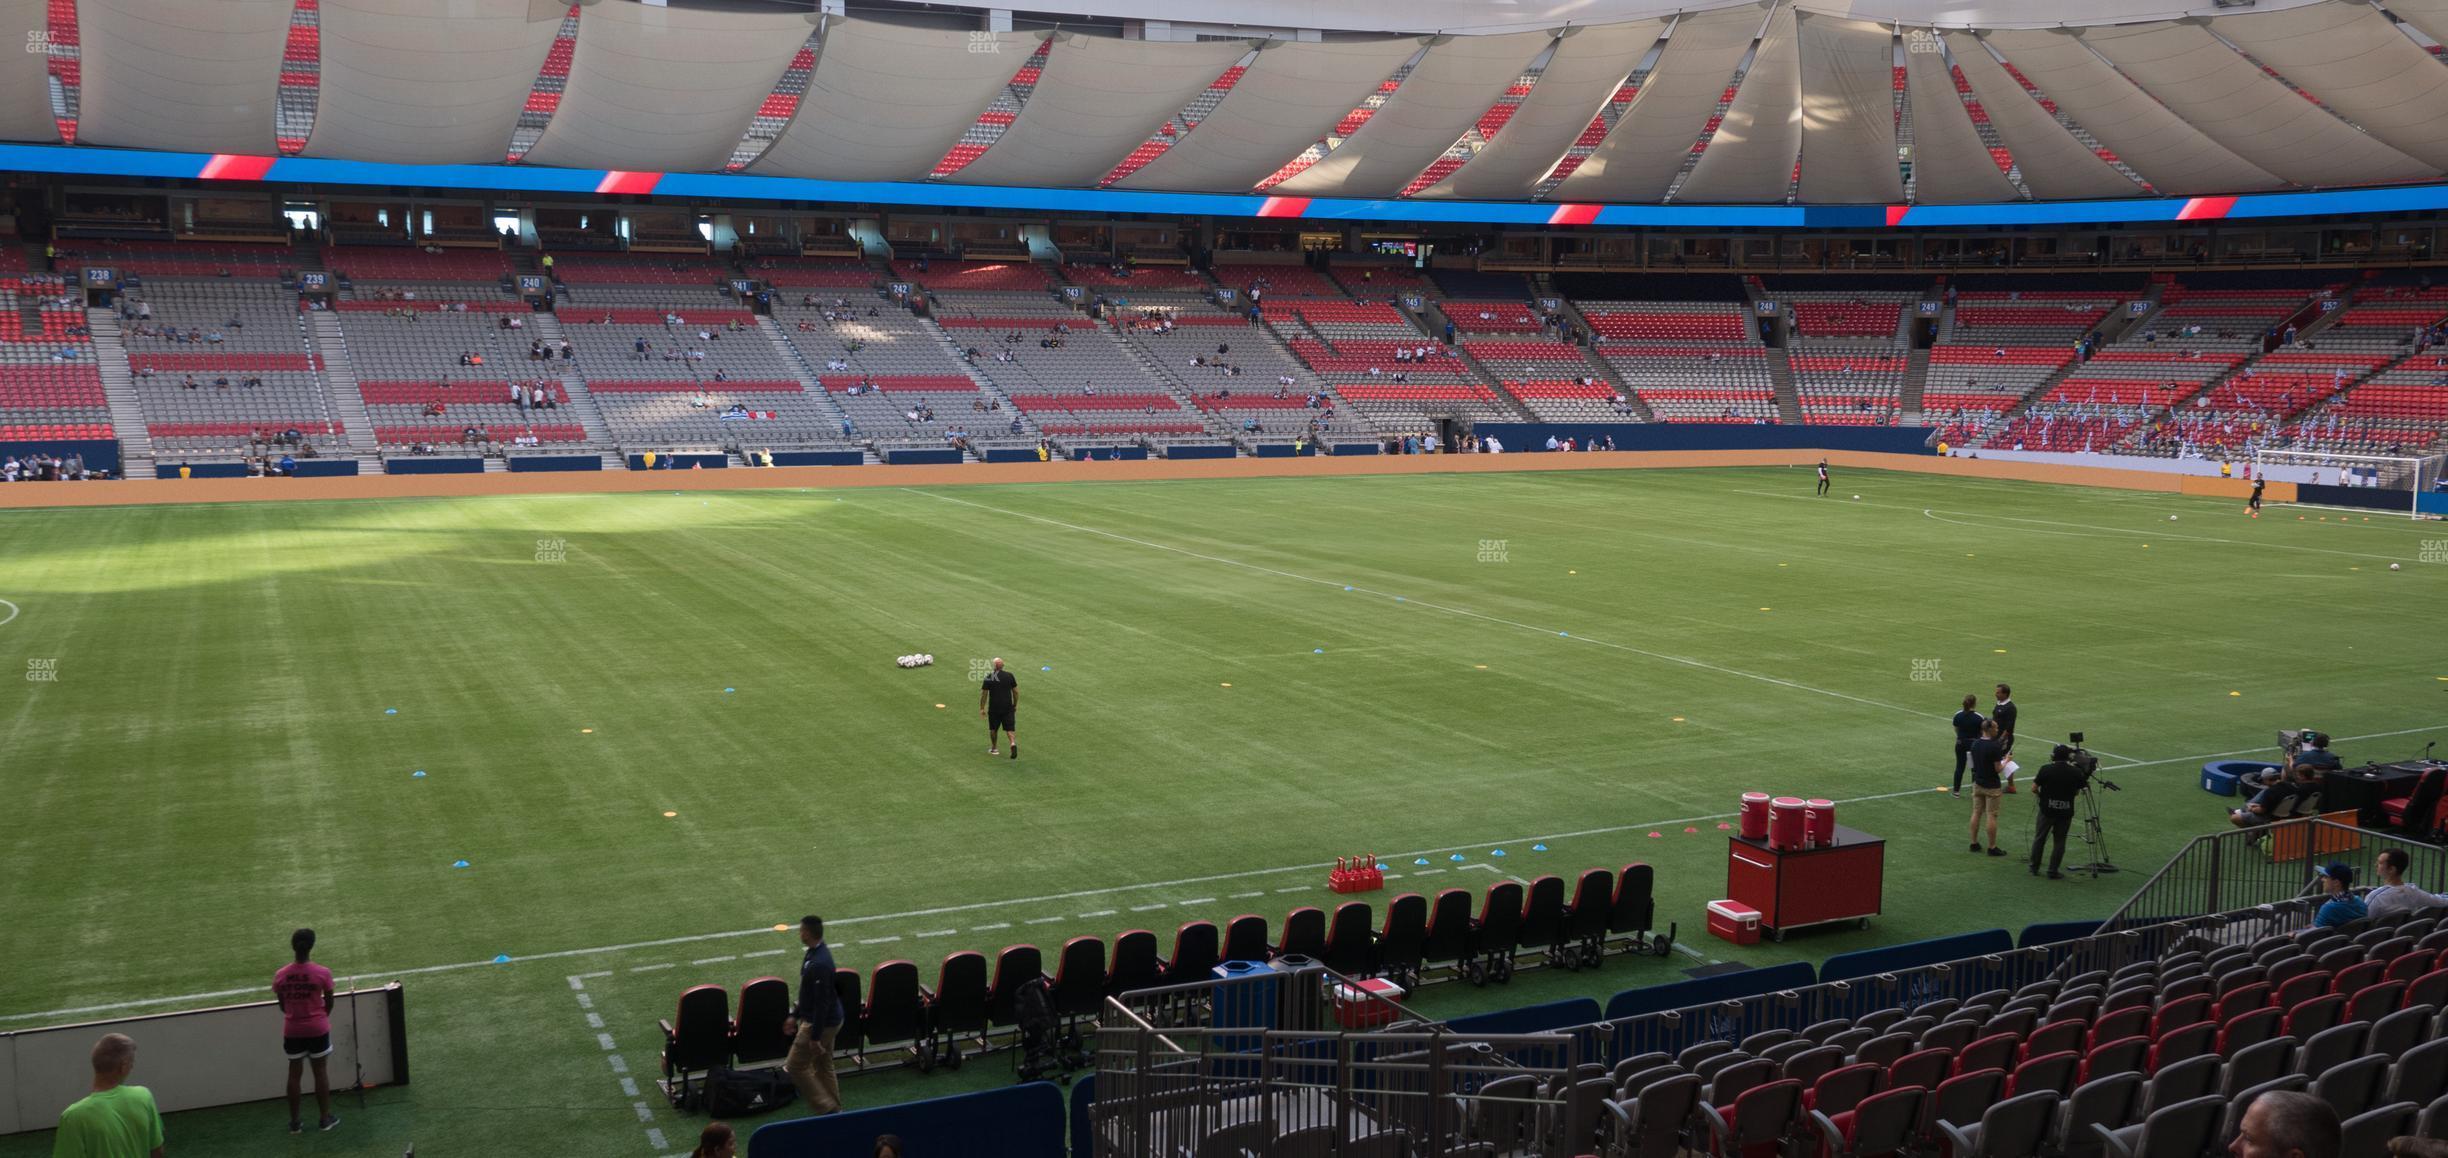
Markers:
{"x": 1640, "y": 157}
{"x": 427, "y": 82}
{"x": 1289, "y": 99}
{"x": 2358, "y": 63}
{"x": 2429, "y": 17}
{"x": 1096, "y": 100}
{"x": 1848, "y": 113}
{"x": 192, "y": 76}
{"x": 1751, "y": 159}
{"x": 842, "y": 132}
{"x": 1585, "y": 71}
{"x": 2054, "y": 164}
{"x": 2223, "y": 95}
{"x": 1951, "y": 164}
{"x": 2173, "y": 156}
{"x": 666, "y": 89}
{"x": 25, "y": 88}
{"x": 1446, "y": 93}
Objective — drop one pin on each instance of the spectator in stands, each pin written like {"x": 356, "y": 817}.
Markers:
{"x": 2288, "y": 1124}
{"x": 304, "y": 991}
{"x": 2343, "y": 905}
{"x": 716, "y": 1141}
{"x": 813, "y": 1022}
{"x": 116, "y": 1120}
{"x": 2392, "y": 896}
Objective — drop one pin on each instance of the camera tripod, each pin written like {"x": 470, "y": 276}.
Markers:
{"x": 2094, "y": 837}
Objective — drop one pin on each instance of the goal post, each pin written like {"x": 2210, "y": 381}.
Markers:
{"x": 2406, "y": 483}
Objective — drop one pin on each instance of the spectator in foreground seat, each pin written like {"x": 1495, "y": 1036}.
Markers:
{"x": 716, "y": 1142}
{"x": 813, "y": 1023}
{"x": 2392, "y": 896}
{"x": 2342, "y": 907}
{"x": 116, "y": 1120}
{"x": 2288, "y": 1124}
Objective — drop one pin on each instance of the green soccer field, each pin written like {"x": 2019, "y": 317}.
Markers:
{"x": 655, "y": 726}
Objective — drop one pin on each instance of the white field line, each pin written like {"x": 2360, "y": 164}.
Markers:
{"x": 1463, "y": 612}
{"x": 12, "y": 611}
{"x": 695, "y": 938}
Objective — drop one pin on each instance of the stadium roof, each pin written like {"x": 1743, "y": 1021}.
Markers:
{"x": 1884, "y": 102}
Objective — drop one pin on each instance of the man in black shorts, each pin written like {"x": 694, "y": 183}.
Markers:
{"x": 2004, "y": 713}
{"x": 1823, "y": 477}
{"x": 999, "y": 702}
{"x": 1967, "y": 730}
{"x": 2259, "y": 481}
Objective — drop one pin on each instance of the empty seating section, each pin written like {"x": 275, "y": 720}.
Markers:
{"x": 259, "y": 379}
{"x": 1485, "y": 317}
{"x": 684, "y": 344}
{"x": 1126, "y": 280}
{"x": 1267, "y": 394}
{"x": 974, "y": 276}
{"x": 1968, "y": 386}
{"x": 49, "y": 386}
{"x": 2040, "y": 319}
{"x": 2402, "y": 409}
{"x": 608, "y": 269}
{"x": 1843, "y": 387}
{"x": 801, "y": 273}
{"x": 364, "y": 265}
{"x": 1383, "y": 280}
{"x": 2392, "y": 313}
{"x": 747, "y": 414}
{"x": 1583, "y": 399}
{"x": 409, "y": 412}
{"x": 1069, "y": 376}
{"x": 1836, "y": 314}
{"x": 184, "y": 259}
{"x": 1622, "y": 321}
{"x": 1276, "y": 282}
{"x": 1730, "y": 383}
{"x": 907, "y": 360}
{"x": 2218, "y": 319}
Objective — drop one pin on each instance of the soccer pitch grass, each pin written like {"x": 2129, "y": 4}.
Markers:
{"x": 665, "y": 723}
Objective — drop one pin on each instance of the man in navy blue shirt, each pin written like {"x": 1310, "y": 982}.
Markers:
{"x": 2343, "y": 906}
{"x": 813, "y": 1022}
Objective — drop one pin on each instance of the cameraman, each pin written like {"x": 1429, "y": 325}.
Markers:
{"x": 2057, "y": 784}
{"x": 2316, "y": 756}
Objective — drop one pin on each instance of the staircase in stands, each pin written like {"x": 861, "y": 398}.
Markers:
{"x": 119, "y": 390}
{"x": 1916, "y": 382}
{"x": 1780, "y": 376}
{"x": 340, "y": 381}
{"x": 590, "y": 416}
{"x": 806, "y": 374}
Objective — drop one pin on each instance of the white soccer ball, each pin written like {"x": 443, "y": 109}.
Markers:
{"x": 2392, "y": 566}
{"x": 2171, "y": 518}
{"x": 927, "y": 658}
{"x": 1857, "y": 498}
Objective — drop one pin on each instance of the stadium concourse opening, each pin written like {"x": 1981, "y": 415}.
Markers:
{"x": 1585, "y": 582}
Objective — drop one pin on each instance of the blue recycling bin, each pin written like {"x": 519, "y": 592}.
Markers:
{"x": 1247, "y": 997}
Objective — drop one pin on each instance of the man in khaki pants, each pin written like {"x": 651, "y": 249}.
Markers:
{"x": 813, "y": 1022}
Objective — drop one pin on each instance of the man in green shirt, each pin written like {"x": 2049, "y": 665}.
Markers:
{"x": 117, "y": 1120}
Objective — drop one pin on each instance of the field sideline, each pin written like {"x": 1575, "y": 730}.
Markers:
{"x": 1225, "y": 684}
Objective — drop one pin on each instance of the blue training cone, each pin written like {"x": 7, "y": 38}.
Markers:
{"x": 1317, "y": 651}
{"x": 1048, "y": 668}
{"x": 1498, "y": 852}
{"x": 501, "y": 958}
{"x": 1456, "y": 856}
{"x": 459, "y": 864}
{"x": 1422, "y": 860}
{"x": 419, "y": 774}
{"x": 390, "y": 711}
{"x": 1347, "y": 588}
{"x": 1538, "y": 848}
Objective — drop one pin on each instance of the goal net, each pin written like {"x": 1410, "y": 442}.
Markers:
{"x": 2410, "y": 484}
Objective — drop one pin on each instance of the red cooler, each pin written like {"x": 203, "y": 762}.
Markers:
{"x": 1734, "y": 921}
{"x": 1755, "y": 815}
{"x": 1785, "y": 825}
{"x": 1819, "y": 822}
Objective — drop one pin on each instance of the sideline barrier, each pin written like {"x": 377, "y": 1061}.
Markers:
{"x": 1011, "y": 454}
{"x": 1198, "y": 450}
{"x": 1024, "y": 1121}
{"x": 433, "y": 466}
{"x": 531, "y": 463}
{"x": 326, "y": 468}
{"x": 98, "y": 453}
{"x": 688, "y": 461}
{"x": 184, "y": 1056}
{"x": 945, "y": 457}
{"x": 1913, "y": 955}
{"x": 818, "y": 458}
{"x": 196, "y": 470}
{"x": 1529, "y": 1019}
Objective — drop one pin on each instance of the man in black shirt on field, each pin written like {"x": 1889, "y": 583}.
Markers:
{"x": 2004, "y": 715}
{"x": 2057, "y": 784}
{"x": 2260, "y": 481}
{"x": 1988, "y": 787}
{"x": 813, "y": 1023}
{"x": 1967, "y": 730}
{"x": 999, "y": 702}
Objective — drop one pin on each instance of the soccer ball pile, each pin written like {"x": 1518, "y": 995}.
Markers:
{"x": 914, "y": 660}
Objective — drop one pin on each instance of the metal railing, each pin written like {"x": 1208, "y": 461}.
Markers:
{"x": 1298, "y": 1060}
{"x": 2276, "y": 862}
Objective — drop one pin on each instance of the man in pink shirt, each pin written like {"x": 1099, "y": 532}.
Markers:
{"x": 304, "y": 990}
